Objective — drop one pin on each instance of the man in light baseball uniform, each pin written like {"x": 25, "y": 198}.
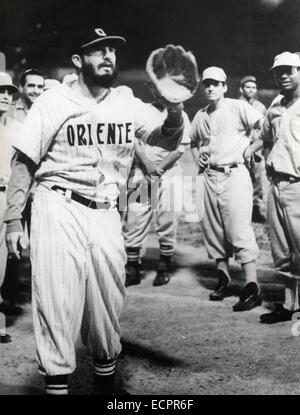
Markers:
{"x": 248, "y": 90}
{"x": 280, "y": 138}
{"x": 77, "y": 144}
{"x": 31, "y": 86}
{"x": 220, "y": 133}
{"x": 158, "y": 175}
{"x": 9, "y": 129}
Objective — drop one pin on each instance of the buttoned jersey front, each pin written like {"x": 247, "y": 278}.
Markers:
{"x": 226, "y": 130}
{"x": 281, "y": 129}
{"x": 81, "y": 144}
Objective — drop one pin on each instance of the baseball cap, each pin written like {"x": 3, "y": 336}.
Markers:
{"x": 215, "y": 73}
{"x": 286, "y": 59}
{"x": 248, "y": 78}
{"x": 97, "y": 35}
{"x": 5, "y": 80}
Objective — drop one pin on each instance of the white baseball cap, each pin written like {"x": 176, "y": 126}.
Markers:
{"x": 215, "y": 73}
{"x": 286, "y": 59}
{"x": 5, "y": 80}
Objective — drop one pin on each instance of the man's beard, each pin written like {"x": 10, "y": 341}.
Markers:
{"x": 93, "y": 79}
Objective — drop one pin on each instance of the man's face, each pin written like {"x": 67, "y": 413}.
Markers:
{"x": 99, "y": 66}
{"x": 214, "y": 90}
{"x": 287, "y": 77}
{"x": 34, "y": 86}
{"x": 5, "y": 99}
{"x": 249, "y": 90}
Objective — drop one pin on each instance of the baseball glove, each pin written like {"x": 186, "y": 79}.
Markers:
{"x": 174, "y": 73}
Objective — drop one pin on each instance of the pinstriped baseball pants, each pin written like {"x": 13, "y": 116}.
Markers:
{"x": 78, "y": 275}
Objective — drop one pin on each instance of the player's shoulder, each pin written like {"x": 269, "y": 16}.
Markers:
{"x": 241, "y": 106}
{"x": 236, "y": 103}
{"x": 259, "y": 106}
{"x": 201, "y": 113}
{"x": 124, "y": 90}
{"x": 11, "y": 122}
{"x": 51, "y": 95}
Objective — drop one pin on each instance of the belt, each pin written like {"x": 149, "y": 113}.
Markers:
{"x": 82, "y": 200}
{"x": 283, "y": 177}
{"x": 223, "y": 169}
{"x": 3, "y": 188}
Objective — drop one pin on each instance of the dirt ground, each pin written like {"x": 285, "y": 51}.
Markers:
{"x": 175, "y": 341}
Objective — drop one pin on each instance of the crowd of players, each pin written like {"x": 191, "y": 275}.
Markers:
{"x": 224, "y": 136}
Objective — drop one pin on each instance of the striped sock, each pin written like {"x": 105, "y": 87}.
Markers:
{"x": 133, "y": 254}
{"x": 104, "y": 376}
{"x": 57, "y": 385}
{"x": 105, "y": 367}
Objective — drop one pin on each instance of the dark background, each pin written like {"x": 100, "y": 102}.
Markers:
{"x": 240, "y": 35}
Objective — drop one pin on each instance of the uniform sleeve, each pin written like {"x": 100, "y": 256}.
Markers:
{"x": 195, "y": 138}
{"x": 187, "y": 129}
{"x": 19, "y": 186}
{"x": 166, "y": 134}
{"x": 266, "y": 132}
{"x": 249, "y": 115}
{"x": 36, "y": 132}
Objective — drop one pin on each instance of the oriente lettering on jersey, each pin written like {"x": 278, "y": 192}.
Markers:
{"x": 100, "y": 133}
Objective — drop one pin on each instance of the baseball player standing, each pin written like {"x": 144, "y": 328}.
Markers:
{"x": 31, "y": 86}
{"x": 248, "y": 90}
{"x": 220, "y": 133}
{"x": 8, "y": 130}
{"x": 155, "y": 171}
{"x": 280, "y": 138}
{"x": 77, "y": 144}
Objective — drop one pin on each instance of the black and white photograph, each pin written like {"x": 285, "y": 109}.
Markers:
{"x": 149, "y": 200}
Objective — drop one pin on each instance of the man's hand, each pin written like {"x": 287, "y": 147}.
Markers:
{"x": 152, "y": 170}
{"x": 202, "y": 162}
{"x": 15, "y": 242}
{"x": 248, "y": 157}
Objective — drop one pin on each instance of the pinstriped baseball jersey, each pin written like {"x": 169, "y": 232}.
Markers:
{"x": 83, "y": 145}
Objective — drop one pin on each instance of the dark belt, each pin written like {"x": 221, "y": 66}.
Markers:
{"x": 283, "y": 177}
{"x": 2, "y": 188}
{"x": 82, "y": 200}
{"x": 223, "y": 169}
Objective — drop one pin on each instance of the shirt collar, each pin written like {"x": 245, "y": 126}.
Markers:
{"x": 20, "y": 104}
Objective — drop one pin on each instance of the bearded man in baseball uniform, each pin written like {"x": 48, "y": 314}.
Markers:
{"x": 77, "y": 144}
{"x": 220, "y": 133}
{"x": 280, "y": 138}
{"x": 248, "y": 90}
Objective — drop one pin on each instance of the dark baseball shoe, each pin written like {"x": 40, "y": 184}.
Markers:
{"x": 10, "y": 309}
{"x": 222, "y": 285}
{"x": 162, "y": 277}
{"x": 249, "y": 298}
{"x": 5, "y": 338}
{"x": 277, "y": 316}
{"x": 133, "y": 274}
